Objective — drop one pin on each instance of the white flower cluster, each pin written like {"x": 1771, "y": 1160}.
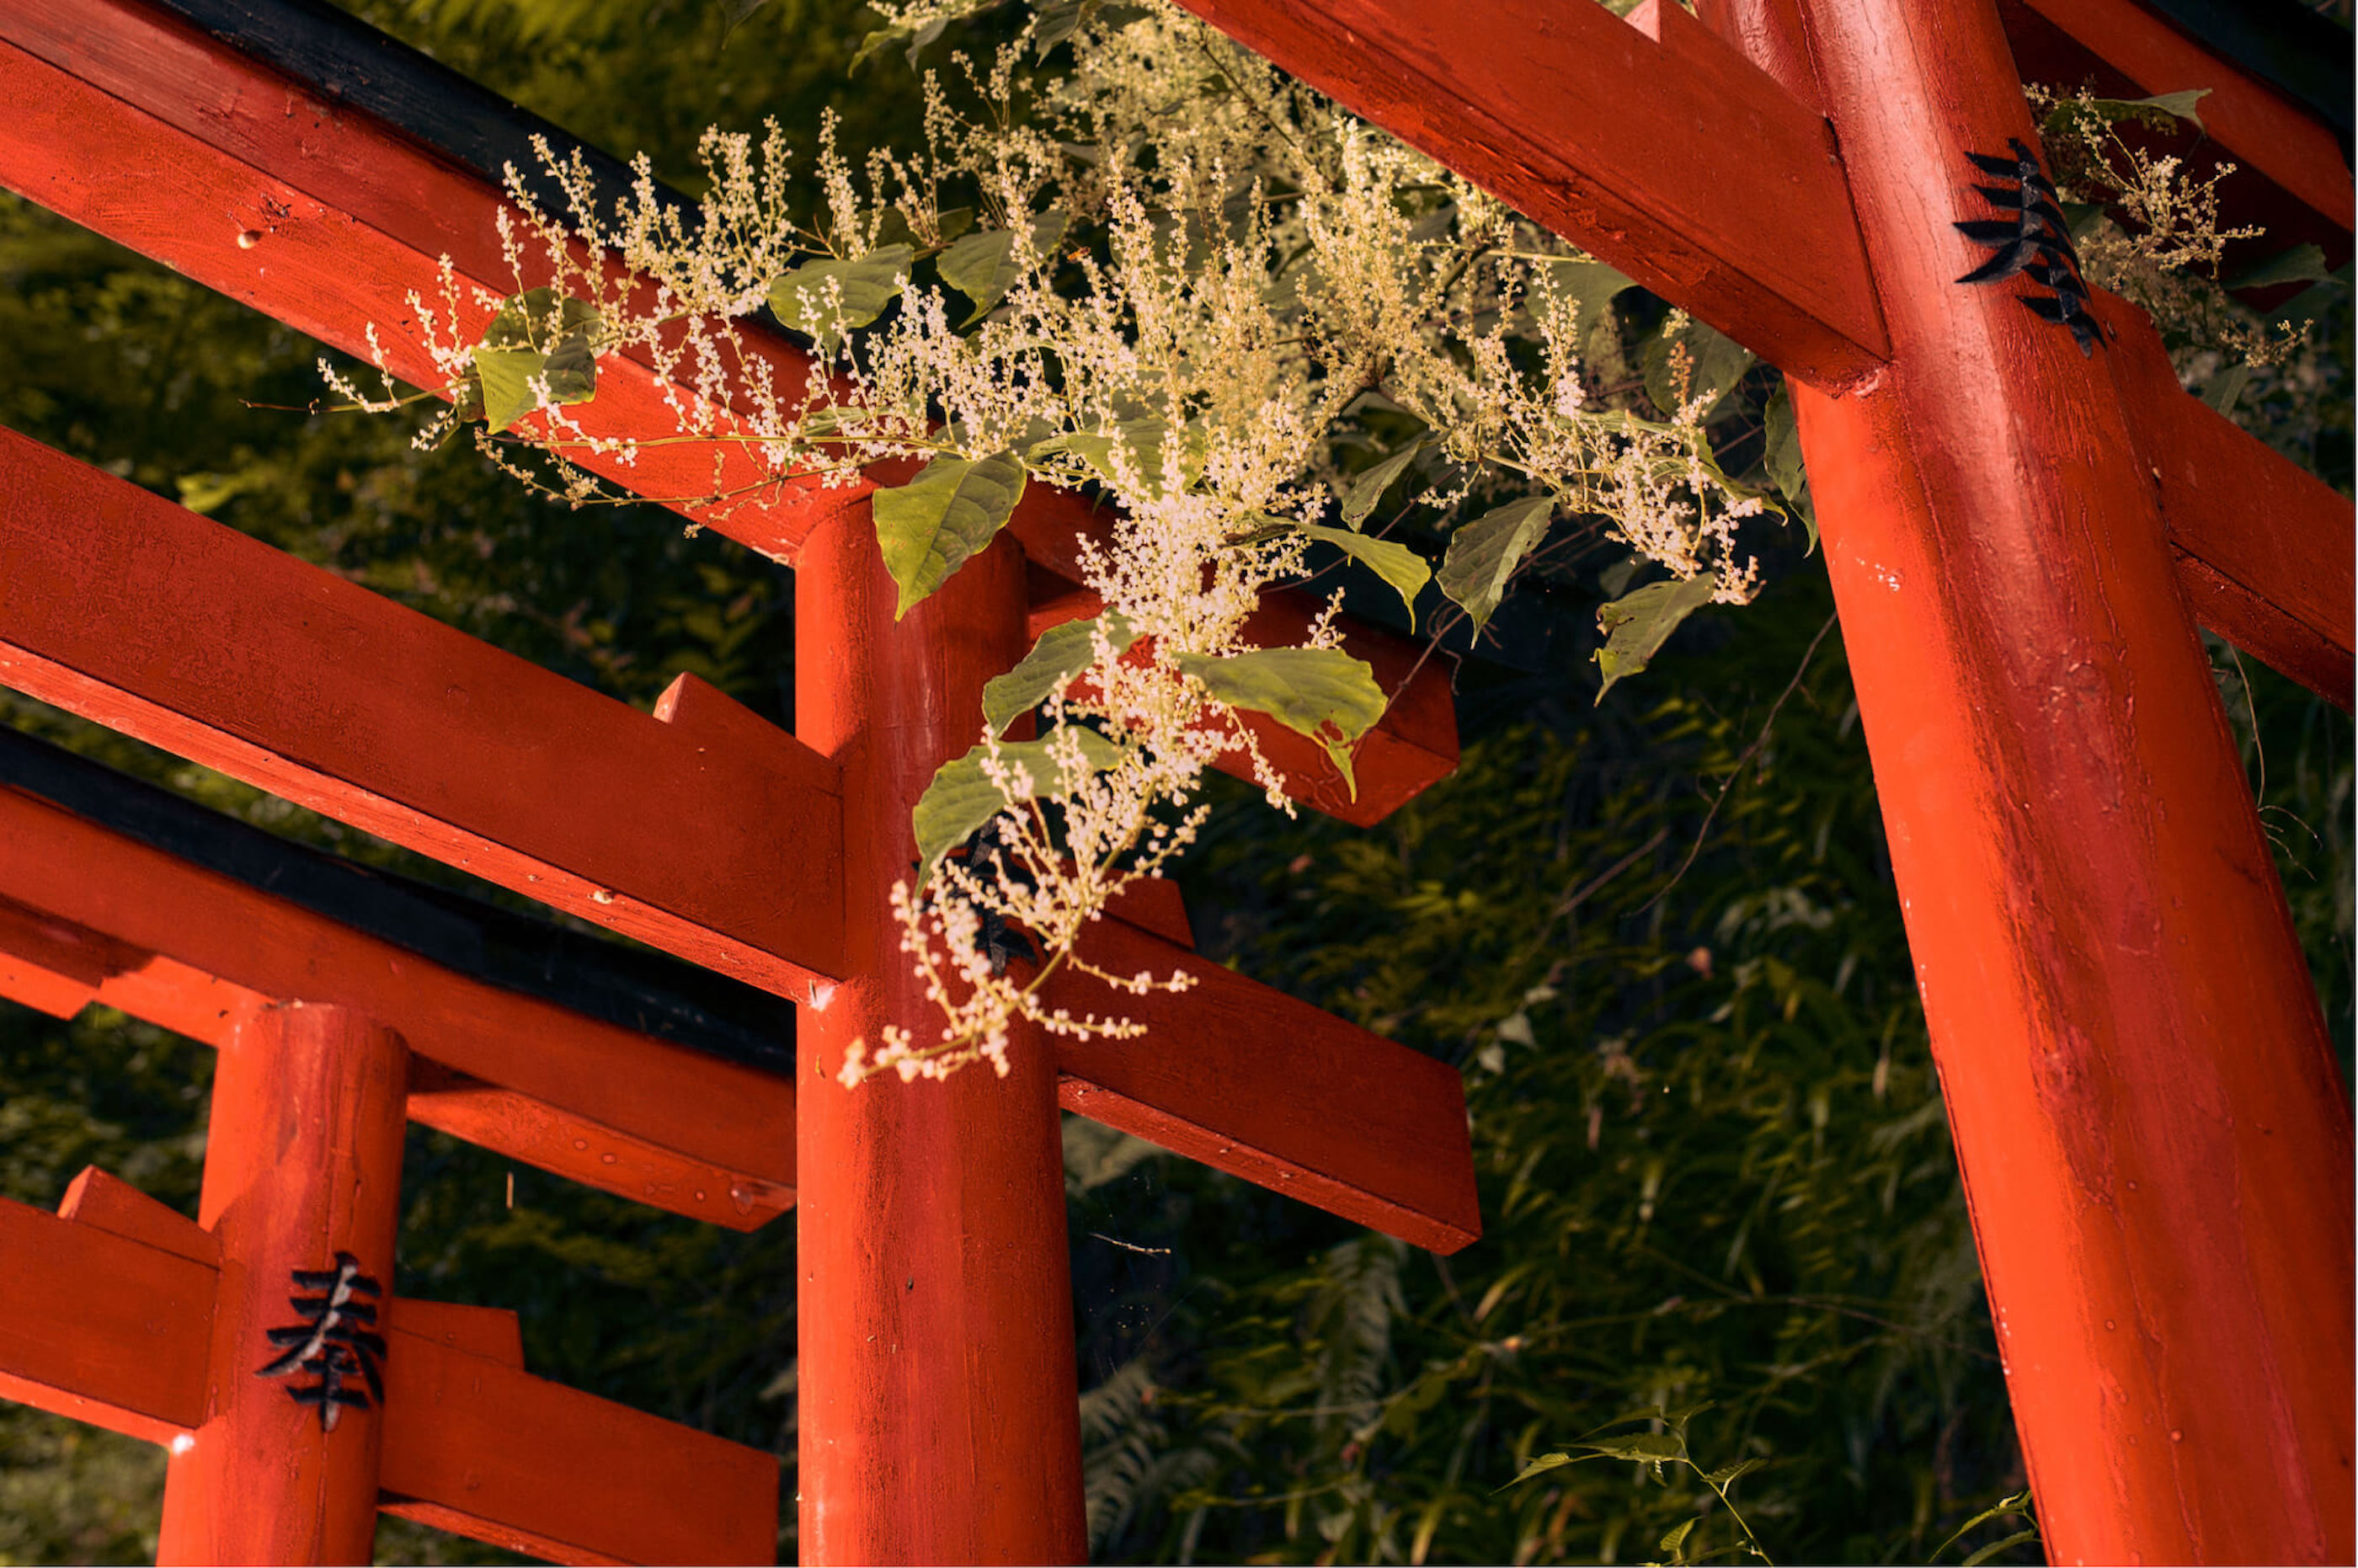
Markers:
{"x": 1167, "y": 273}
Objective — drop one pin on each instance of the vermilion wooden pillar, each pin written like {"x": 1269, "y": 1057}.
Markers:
{"x": 939, "y": 1416}
{"x": 302, "y": 1161}
{"x": 2154, "y": 1142}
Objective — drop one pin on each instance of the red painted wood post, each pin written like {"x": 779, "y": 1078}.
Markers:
{"x": 303, "y": 1161}
{"x": 939, "y": 1415}
{"x": 2154, "y": 1141}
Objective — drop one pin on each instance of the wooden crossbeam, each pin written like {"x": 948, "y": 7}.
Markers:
{"x": 2276, "y": 142}
{"x": 88, "y": 915}
{"x": 326, "y": 219}
{"x": 1659, "y": 147}
{"x": 701, "y": 830}
{"x": 1242, "y": 1077}
{"x": 1650, "y": 142}
{"x": 2263, "y": 547}
{"x": 105, "y": 1317}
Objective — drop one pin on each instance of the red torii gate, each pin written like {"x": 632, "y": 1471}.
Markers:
{"x": 936, "y": 1325}
{"x": 2016, "y": 536}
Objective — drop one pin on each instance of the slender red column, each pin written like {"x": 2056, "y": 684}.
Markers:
{"x": 939, "y": 1416}
{"x": 2155, "y": 1144}
{"x": 303, "y": 1161}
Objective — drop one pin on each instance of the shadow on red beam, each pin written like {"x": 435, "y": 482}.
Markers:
{"x": 88, "y": 915}
{"x": 2264, "y": 549}
{"x": 1245, "y": 1079}
{"x": 702, "y": 830}
{"x": 106, "y": 1317}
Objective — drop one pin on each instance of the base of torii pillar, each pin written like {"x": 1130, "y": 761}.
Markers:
{"x": 939, "y": 1417}
{"x": 2155, "y": 1144}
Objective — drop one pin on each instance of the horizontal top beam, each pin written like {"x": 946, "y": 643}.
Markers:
{"x": 1650, "y": 142}
{"x": 702, "y": 830}
{"x": 284, "y": 197}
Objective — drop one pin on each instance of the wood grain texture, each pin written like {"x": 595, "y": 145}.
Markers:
{"x": 2153, "y": 1136}
{"x": 476, "y": 1446}
{"x": 1245, "y": 1079}
{"x": 1649, "y": 143}
{"x": 939, "y": 1407}
{"x": 128, "y": 120}
{"x": 101, "y": 1327}
{"x": 187, "y": 949}
{"x": 2265, "y": 548}
{"x": 302, "y": 1165}
{"x": 704, "y": 836}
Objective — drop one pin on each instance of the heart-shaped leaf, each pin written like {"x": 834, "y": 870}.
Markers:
{"x": 1483, "y": 554}
{"x": 1637, "y": 625}
{"x": 962, "y": 796}
{"x": 984, "y": 266}
{"x": 823, "y": 298}
{"x": 1323, "y": 693}
{"x": 1368, "y": 487}
{"x": 1396, "y": 564}
{"x": 1061, "y": 653}
{"x": 930, "y": 526}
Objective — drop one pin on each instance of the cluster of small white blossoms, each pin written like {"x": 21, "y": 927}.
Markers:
{"x": 1216, "y": 274}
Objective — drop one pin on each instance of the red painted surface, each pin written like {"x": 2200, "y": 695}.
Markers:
{"x": 1248, "y": 1080}
{"x": 106, "y": 1316}
{"x": 102, "y": 1327}
{"x": 476, "y": 1446}
{"x": 2153, "y": 1136}
{"x": 939, "y": 1418}
{"x": 303, "y": 1161}
{"x": 2266, "y": 134}
{"x": 703, "y": 835}
{"x": 128, "y": 122}
{"x": 2263, "y": 549}
{"x": 130, "y": 927}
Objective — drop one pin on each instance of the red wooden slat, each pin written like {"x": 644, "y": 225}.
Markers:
{"x": 144, "y": 130}
{"x": 481, "y": 1447}
{"x": 1248, "y": 1080}
{"x": 2264, "y": 549}
{"x": 694, "y": 835}
{"x": 101, "y": 1328}
{"x": 1653, "y": 145}
{"x": 186, "y": 948}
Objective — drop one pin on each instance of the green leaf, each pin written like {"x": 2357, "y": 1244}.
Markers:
{"x": 961, "y": 796}
{"x": 1368, "y": 487}
{"x": 2020, "y": 1503}
{"x": 1061, "y": 653}
{"x": 1995, "y": 1547}
{"x": 1782, "y": 457}
{"x": 1483, "y": 554}
{"x": 1323, "y": 693}
{"x": 1653, "y": 1447}
{"x": 1144, "y": 439}
{"x": 2302, "y": 264}
{"x": 2223, "y": 388}
{"x": 1592, "y": 282}
{"x": 865, "y": 287}
{"x": 1541, "y": 1465}
{"x": 928, "y": 527}
{"x": 984, "y": 266}
{"x": 1720, "y": 363}
{"x": 1726, "y": 1473}
{"x": 1637, "y": 625}
{"x": 1674, "y": 1538}
{"x": 1396, "y": 564}
{"x": 536, "y": 335}
{"x": 2111, "y": 111}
